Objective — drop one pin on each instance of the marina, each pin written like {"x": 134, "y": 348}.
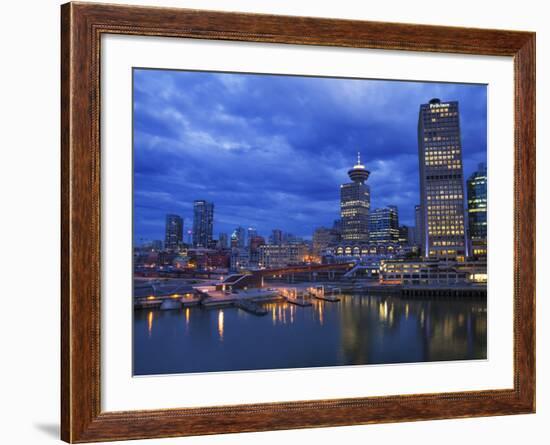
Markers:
{"x": 171, "y": 294}
{"x": 359, "y": 329}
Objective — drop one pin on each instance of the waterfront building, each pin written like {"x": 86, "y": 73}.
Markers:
{"x": 203, "y": 223}
{"x": 432, "y": 272}
{"x": 274, "y": 256}
{"x": 477, "y": 211}
{"x": 276, "y": 236}
{"x": 384, "y": 225}
{"x": 441, "y": 181}
{"x": 361, "y": 251}
{"x": 355, "y": 205}
{"x": 223, "y": 241}
{"x": 239, "y": 259}
{"x": 238, "y": 237}
{"x": 173, "y": 232}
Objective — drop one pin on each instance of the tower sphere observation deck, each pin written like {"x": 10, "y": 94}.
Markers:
{"x": 358, "y": 173}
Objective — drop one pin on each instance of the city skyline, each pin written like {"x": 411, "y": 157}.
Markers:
{"x": 277, "y": 163}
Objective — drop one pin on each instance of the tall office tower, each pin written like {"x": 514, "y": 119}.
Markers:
{"x": 441, "y": 181}
{"x": 355, "y": 205}
{"x": 203, "y": 223}
{"x": 223, "y": 241}
{"x": 477, "y": 210}
{"x": 238, "y": 237}
{"x": 418, "y": 225}
{"x": 384, "y": 225}
{"x": 251, "y": 232}
{"x": 276, "y": 237}
{"x": 173, "y": 232}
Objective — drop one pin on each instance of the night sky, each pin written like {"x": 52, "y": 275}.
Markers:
{"x": 270, "y": 151}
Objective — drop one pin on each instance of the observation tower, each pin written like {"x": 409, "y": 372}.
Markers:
{"x": 358, "y": 173}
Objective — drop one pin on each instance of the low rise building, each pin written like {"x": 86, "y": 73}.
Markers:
{"x": 273, "y": 256}
{"x": 432, "y": 272}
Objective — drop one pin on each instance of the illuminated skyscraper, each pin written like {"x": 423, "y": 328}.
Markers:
{"x": 173, "y": 232}
{"x": 384, "y": 225}
{"x": 477, "y": 210}
{"x": 203, "y": 223}
{"x": 355, "y": 205}
{"x": 441, "y": 180}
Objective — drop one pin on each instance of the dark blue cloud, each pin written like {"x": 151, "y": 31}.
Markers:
{"x": 270, "y": 151}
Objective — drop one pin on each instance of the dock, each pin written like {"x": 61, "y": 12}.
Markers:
{"x": 302, "y": 302}
{"x": 213, "y": 298}
{"x": 451, "y": 292}
{"x": 250, "y": 307}
{"x": 331, "y": 298}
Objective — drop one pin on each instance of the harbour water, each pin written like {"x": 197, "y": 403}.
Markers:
{"x": 358, "y": 330}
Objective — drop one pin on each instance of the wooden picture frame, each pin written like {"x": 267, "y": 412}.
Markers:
{"x": 82, "y": 25}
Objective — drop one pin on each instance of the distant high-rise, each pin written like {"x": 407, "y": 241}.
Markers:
{"x": 441, "y": 180}
{"x": 276, "y": 237}
{"x": 477, "y": 210}
{"x": 412, "y": 235}
{"x": 223, "y": 241}
{"x": 355, "y": 205}
{"x": 384, "y": 225}
{"x": 173, "y": 232}
{"x": 255, "y": 242}
{"x": 404, "y": 235}
{"x": 251, "y": 232}
{"x": 238, "y": 237}
{"x": 203, "y": 223}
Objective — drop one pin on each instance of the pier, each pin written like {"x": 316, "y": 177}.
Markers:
{"x": 436, "y": 292}
{"x": 320, "y": 293}
{"x": 302, "y": 302}
{"x": 250, "y": 307}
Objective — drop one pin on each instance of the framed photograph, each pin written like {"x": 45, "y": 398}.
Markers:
{"x": 274, "y": 222}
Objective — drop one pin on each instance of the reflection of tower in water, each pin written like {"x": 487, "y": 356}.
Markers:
{"x": 374, "y": 330}
{"x": 449, "y": 333}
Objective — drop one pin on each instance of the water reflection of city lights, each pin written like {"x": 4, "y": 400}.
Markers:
{"x": 220, "y": 325}
{"x": 150, "y": 323}
{"x": 383, "y": 311}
